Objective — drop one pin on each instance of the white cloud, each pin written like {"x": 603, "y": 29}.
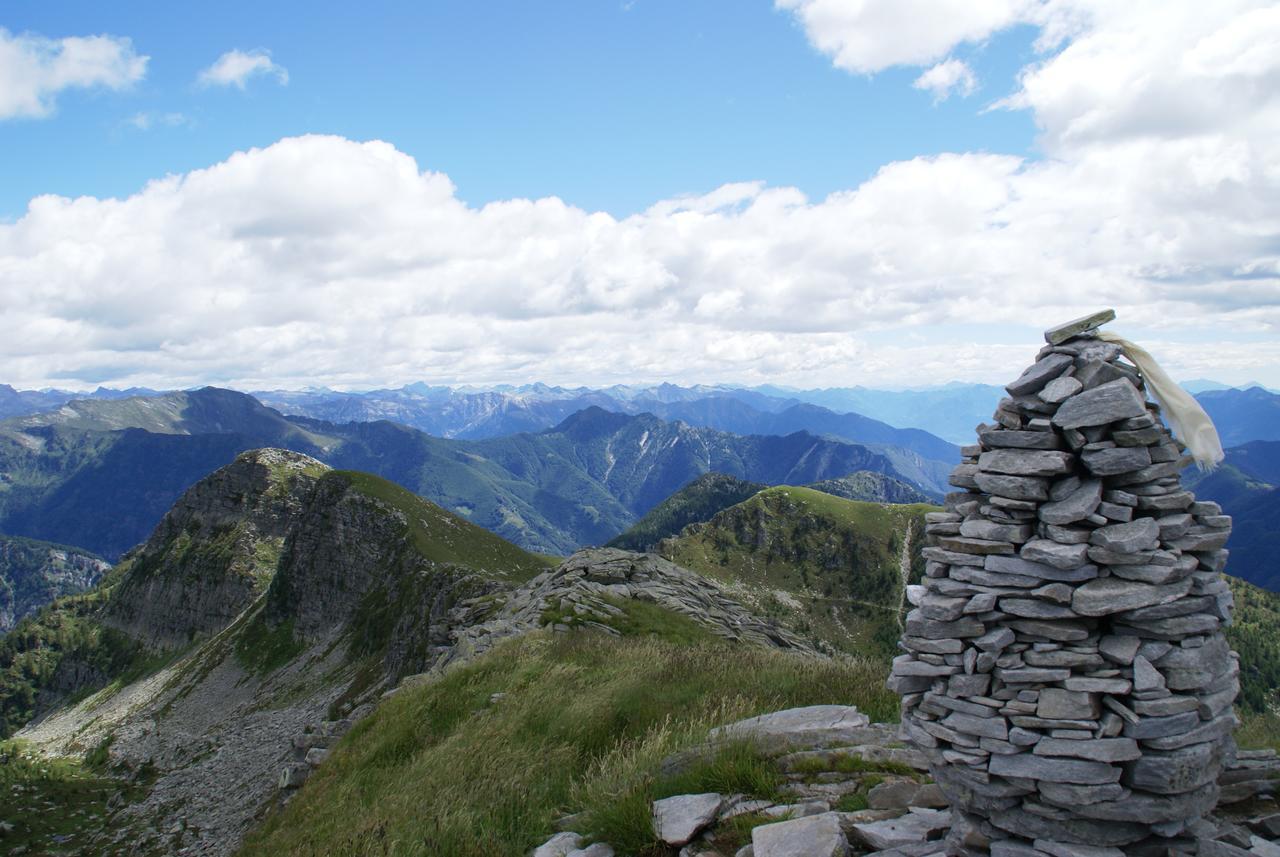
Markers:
{"x": 945, "y": 77}
{"x": 319, "y": 260}
{"x": 235, "y": 68}
{"x": 866, "y": 36}
{"x": 35, "y": 69}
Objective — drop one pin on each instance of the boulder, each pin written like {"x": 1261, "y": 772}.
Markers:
{"x": 812, "y": 836}
{"x": 676, "y": 820}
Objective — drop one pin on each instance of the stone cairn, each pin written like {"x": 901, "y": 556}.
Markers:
{"x": 1065, "y": 670}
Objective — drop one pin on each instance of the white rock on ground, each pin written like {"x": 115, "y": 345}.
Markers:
{"x": 676, "y": 820}
{"x": 599, "y": 849}
{"x": 814, "y": 726}
{"x": 812, "y": 836}
{"x": 916, "y": 826}
{"x": 559, "y": 845}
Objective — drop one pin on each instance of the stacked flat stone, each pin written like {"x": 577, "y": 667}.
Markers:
{"x": 1065, "y": 670}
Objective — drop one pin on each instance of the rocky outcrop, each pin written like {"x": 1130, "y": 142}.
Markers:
{"x": 584, "y": 591}
{"x": 1065, "y": 669}
{"x": 215, "y": 551}
{"x": 33, "y": 573}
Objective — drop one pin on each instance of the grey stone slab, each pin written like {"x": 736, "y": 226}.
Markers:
{"x": 1057, "y": 703}
{"x": 1014, "y": 439}
{"x": 1068, "y": 795}
{"x": 1096, "y": 749}
{"x": 1062, "y": 658}
{"x": 1060, "y": 389}
{"x": 1079, "y": 830}
{"x": 1038, "y": 570}
{"x": 1150, "y": 808}
{"x": 983, "y": 529}
{"x": 931, "y": 629}
{"x": 983, "y": 727}
{"x": 812, "y": 836}
{"x": 995, "y": 640}
{"x": 918, "y": 825}
{"x": 1159, "y": 727}
{"x": 676, "y": 820}
{"x": 1052, "y": 553}
{"x": 1013, "y": 487}
{"x": 1056, "y": 770}
{"x": 1173, "y": 628}
{"x": 1091, "y": 684}
{"x": 1026, "y": 462}
{"x": 1031, "y": 675}
{"x": 1145, "y": 676}
{"x": 1061, "y": 333}
{"x": 1116, "y": 460}
{"x": 1062, "y": 630}
{"x": 1119, "y": 650}
{"x": 1038, "y": 374}
{"x": 1106, "y": 403}
{"x": 975, "y": 546}
{"x": 1166, "y": 706}
{"x": 1068, "y": 535}
{"x": 1033, "y": 608}
{"x": 906, "y": 665}
{"x": 1175, "y": 772}
{"x": 812, "y": 725}
{"x": 1074, "y": 506}
{"x": 1137, "y": 535}
{"x": 1211, "y": 731}
{"x": 1107, "y": 595}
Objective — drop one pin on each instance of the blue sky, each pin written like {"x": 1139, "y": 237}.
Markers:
{"x": 800, "y": 192}
{"x": 608, "y": 105}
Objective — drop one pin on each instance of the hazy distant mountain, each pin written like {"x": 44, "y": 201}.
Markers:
{"x": 101, "y": 474}
{"x": 1243, "y": 415}
{"x": 950, "y": 411}
{"x": 15, "y": 403}
{"x": 1247, "y": 484}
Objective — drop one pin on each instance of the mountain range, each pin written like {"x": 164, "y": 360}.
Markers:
{"x": 100, "y": 474}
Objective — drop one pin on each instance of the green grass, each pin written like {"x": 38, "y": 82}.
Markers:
{"x": 846, "y": 763}
{"x": 53, "y": 804}
{"x": 262, "y": 649}
{"x": 443, "y": 537}
{"x": 584, "y": 725}
{"x": 839, "y": 561}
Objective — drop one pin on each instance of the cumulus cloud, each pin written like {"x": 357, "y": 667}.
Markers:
{"x": 34, "y": 69}
{"x": 321, "y": 260}
{"x": 235, "y": 68}
{"x": 946, "y": 77}
{"x": 866, "y": 36}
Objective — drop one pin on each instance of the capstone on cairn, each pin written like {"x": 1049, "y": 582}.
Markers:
{"x": 1065, "y": 669}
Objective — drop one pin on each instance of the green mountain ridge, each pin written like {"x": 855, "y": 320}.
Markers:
{"x": 830, "y": 568}
{"x": 69, "y": 479}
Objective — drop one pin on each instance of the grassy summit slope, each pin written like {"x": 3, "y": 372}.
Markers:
{"x": 830, "y": 567}
{"x": 443, "y": 537}
{"x": 698, "y": 501}
{"x": 582, "y": 722}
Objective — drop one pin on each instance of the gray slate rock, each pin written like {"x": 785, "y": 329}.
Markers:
{"x": 676, "y": 820}
{"x": 813, "y": 836}
{"x": 1106, "y": 403}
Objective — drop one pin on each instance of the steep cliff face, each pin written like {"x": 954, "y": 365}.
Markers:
{"x": 33, "y": 573}
{"x": 215, "y": 551}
